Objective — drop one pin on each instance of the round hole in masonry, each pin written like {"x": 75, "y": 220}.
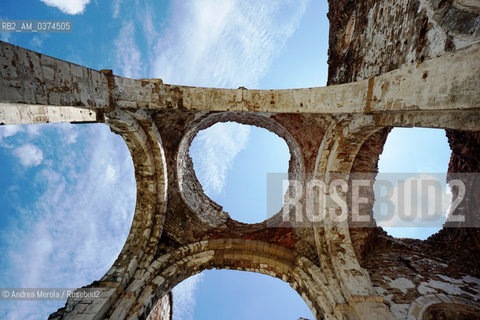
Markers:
{"x": 412, "y": 197}
{"x": 206, "y": 209}
{"x": 232, "y": 161}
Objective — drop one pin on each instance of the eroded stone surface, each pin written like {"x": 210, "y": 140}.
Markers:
{"x": 407, "y": 64}
{"x": 368, "y": 38}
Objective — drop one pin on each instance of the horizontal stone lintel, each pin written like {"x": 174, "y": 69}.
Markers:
{"x": 448, "y": 82}
{"x": 33, "y": 114}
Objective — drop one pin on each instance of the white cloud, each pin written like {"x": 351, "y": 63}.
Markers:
{"x": 184, "y": 297}
{"x": 110, "y": 174}
{"x": 148, "y": 25}
{"x": 68, "y": 6}
{"x": 34, "y": 129}
{"x": 72, "y": 233}
{"x": 224, "y": 43}
{"x": 29, "y": 155}
{"x": 213, "y": 152}
{"x": 70, "y": 133}
{"x": 116, "y": 5}
{"x": 9, "y": 131}
{"x": 5, "y": 37}
{"x": 128, "y": 57}
{"x": 37, "y": 41}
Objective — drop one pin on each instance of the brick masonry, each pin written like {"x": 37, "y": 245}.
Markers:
{"x": 408, "y": 63}
{"x": 368, "y": 38}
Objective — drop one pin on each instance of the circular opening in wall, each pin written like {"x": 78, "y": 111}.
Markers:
{"x": 232, "y": 162}
{"x": 243, "y": 161}
{"x": 412, "y": 197}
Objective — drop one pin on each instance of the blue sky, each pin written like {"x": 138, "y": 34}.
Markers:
{"x": 68, "y": 191}
{"x": 63, "y": 218}
{"x": 225, "y": 166}
{"x": 414, "y": 154}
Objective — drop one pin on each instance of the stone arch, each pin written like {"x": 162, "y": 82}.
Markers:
{"x": 337, "y": 154}
{"x": 338, "y": 150}
{"x": 426, "y": 306}
{"x": 358, "y": 135}
{"x": 323, "y": 298}
{"x": 190, "y": 188}
{"x": 367, "y": 156}
{"x": 145, "y": 146}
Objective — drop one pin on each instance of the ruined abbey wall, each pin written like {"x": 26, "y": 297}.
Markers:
{"x": 368, "y": 38}
{"x": 392, "y": 63}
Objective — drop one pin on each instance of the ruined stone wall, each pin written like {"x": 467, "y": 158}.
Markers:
{"x": 330, "y": 131}
{"x": 371, "y": 37}
{"x": 163, "y": 310}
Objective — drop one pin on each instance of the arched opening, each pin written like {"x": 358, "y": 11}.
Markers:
{"x": 68, "y": 198}
{"x": 172, "y": 268}
{"x": 230, "y": 294}
{"x": 232, "y": 160}
{"x": 429, "y": 307}
{"x": 412, "y": 196}
{"x": 451, "y": 311}
{"x": 269, "y": 142}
